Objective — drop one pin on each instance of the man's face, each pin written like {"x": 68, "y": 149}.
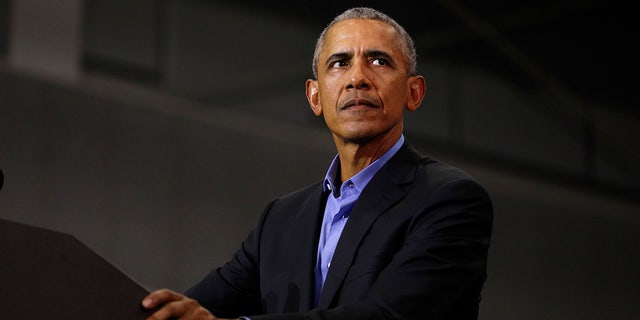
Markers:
{"x": 363, "y": 85}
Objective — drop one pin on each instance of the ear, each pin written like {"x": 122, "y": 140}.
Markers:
{"x": 417, "y": 90}
{"x": 313, "y": 96}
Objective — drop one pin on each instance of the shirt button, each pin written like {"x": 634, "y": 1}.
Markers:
{"x": 328, "y": 264}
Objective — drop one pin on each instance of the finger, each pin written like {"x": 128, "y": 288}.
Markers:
{"x": 160, "y": 297}
{"x": 182, "y": 309}
{"x": 167, "y": 311}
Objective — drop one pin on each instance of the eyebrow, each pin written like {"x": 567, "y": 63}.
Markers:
{"x": 378, "y": 54}
{"x": 338, "y": 56}
{"x": 368, "y": 54}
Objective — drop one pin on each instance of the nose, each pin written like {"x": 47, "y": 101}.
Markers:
{"x": 359, "y": 76}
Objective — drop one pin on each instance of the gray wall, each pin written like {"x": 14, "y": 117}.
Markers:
{"x": 165, "y": 180}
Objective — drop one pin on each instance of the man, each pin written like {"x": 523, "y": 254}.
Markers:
{"x": 388, "y": 234}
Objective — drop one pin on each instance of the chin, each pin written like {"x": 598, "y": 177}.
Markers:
{"x": 359, "y": 137}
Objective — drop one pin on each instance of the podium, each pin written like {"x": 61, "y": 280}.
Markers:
{"x": 46, "y": 274}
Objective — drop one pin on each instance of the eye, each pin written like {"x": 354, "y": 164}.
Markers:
{"x": 338, "y": 64}
{"x": 379, "y": 62}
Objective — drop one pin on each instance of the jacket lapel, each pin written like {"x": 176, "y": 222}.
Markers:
{"x": 382, "y": 192}
{"x": 306, "y": 233}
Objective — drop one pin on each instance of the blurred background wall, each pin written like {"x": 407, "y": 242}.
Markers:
{"x": 156, "y": 131}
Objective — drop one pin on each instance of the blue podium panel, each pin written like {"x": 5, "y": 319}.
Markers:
{"x": 46, "y": 274}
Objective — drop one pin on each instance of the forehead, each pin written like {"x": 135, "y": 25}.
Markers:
{"x": 354, "y": 34}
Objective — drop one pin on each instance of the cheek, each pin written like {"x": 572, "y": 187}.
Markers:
{"x": 328, "y": 96}
{"x": 395, "y": 96}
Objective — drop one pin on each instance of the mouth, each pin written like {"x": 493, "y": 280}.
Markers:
{"x": 358, "y": 104}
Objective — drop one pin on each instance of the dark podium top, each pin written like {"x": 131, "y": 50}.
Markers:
{"x": 46, "y": 274}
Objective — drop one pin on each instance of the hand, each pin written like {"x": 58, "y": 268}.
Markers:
{"x": 173, "y": 305}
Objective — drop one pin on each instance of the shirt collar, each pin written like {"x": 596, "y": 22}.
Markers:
{"x": 361, "y": 178}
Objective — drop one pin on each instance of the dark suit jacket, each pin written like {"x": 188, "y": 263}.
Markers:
{"x": 414, "y": 247}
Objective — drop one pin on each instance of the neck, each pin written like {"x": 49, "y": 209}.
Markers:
{"x": 356, "y": 156}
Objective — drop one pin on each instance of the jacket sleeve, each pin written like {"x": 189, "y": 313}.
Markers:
{"x": 233, "y": 289}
